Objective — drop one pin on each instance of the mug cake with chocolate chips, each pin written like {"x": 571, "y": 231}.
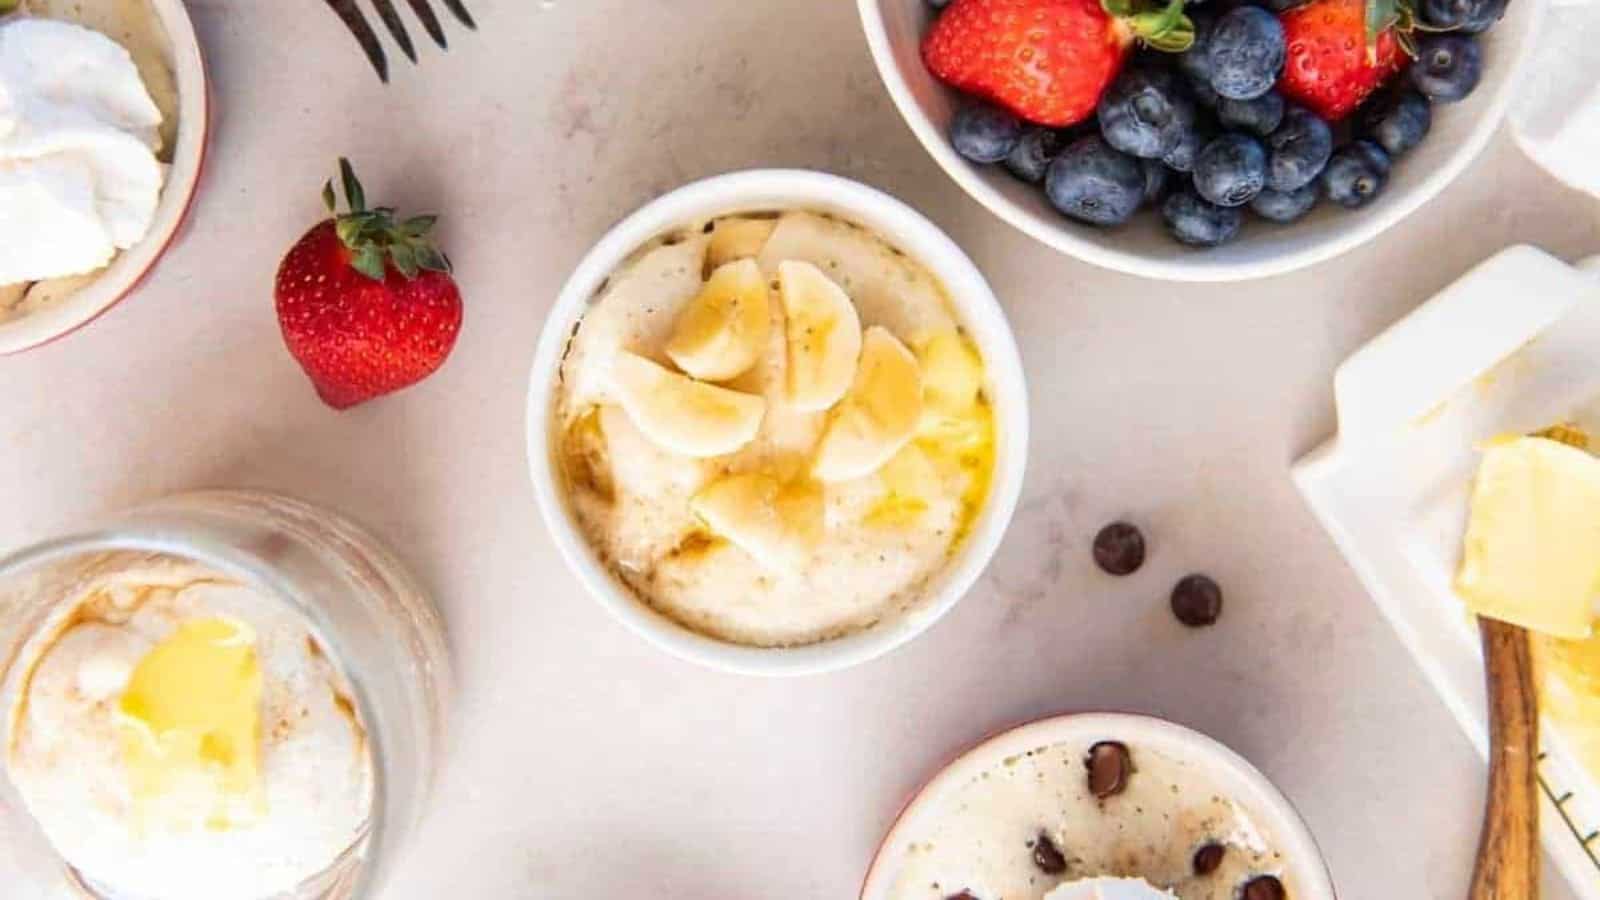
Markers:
{"x": 1099, "y": 807}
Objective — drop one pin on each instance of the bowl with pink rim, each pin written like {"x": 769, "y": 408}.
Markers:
{"x": 162, "y": 38}
{"x": 976, "y": 310}
{"x": 894, "y": 30}
{"x": 1275, "y": 821}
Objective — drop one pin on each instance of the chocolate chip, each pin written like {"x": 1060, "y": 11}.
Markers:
{"x": 1207, "y": 858}
{"x": 1264, "y": 888}
{"x": 1047, "y": 857}
{"x": 964, "y": 895}
{"x": 1119, "y": 549}
{"x": 1109, "y": 765}
{"x": 1197, "y": 601}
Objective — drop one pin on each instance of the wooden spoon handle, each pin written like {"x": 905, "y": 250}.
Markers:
{"x": 1508, "y": 848}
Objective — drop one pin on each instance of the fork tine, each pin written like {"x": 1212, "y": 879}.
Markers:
{"x": 461, "y": 13}
{"x": 430, "y": 22}
{"x": 397, "y": 28}
{"x": 357, "y": 23}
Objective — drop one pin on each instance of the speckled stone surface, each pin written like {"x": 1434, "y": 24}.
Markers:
{"x": 588, "y": 765}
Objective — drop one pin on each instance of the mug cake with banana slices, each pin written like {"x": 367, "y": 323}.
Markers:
{"x": 773, "y": 428}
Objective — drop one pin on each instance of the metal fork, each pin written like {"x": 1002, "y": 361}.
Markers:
{"x": 356, "y": 21}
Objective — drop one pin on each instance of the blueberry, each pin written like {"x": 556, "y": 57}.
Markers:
{"x": 1195, "y": 62}
{"x": 1283, "y": 6}
{"x": 1471, "y": 16}
{"x": 1145, "y": 112}
{"x": 1031, "y": 156}
{"x": 1448, "y": 66}
{"x": 1397, "y": 120}
{"x": 1156, "y": 177}
{"x": 984, "y": 133}
{"x": 1298, "y": 150}
{"x": 1259, "y": 116}
{"x": 1093, "y": 183}
{"x": 1198, "y": 223}
{"x": 1203, "y": 93}
{"x": 1231, "y": 170}
{"x": 1246, "y": 53}
{"x": 1200, "y": 134}
{"x": 938, "y": 4}
{"x": 1285, "y": 206}
{"x": 1356, "y": 174}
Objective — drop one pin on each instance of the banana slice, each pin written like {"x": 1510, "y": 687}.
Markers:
{"x": 779, "y": 525}
{"x": 910, "y": 485}
{"x": 823, "y": 335}
{"x": 878, "y": 417}
{"x": 723, "y": 330}
{"x": 11, "y": 295}
{"x": 733, "y": 239}
{"x": 680, "y": 414}
{"x": 952, "y": 373}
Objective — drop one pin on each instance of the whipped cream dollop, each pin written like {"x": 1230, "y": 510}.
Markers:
{"x": 179, "y": 734}
{"x": 79, "y": 133}
{"x": 1109, "y": 889}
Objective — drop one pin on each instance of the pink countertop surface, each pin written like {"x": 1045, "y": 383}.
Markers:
{"x": 585, "y": 763}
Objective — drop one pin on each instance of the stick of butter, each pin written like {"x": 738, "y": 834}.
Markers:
{"x": 1532, "y": 551}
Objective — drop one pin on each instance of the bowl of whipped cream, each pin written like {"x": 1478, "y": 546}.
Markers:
{"x": 777, "y": 422}
{"x": 103, "y": 121}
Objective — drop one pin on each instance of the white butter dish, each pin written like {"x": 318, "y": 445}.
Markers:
{"x": 1513, "y": 346}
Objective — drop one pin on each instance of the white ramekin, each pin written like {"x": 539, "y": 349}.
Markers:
{"x": 1460, "y": 131}
{"x": 901, "y": 226}
{"x": 133, "y": 265}
{"x": 1242, "y": 782}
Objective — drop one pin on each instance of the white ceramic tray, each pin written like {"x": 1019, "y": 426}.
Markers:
{"x": 1513, "y": 346}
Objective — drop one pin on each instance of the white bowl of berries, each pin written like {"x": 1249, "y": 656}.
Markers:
{"x": 1284, "y": 134}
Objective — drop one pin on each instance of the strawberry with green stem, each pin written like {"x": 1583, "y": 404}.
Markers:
{"x": 367, "y": 303}
{"x": 1341, "y": 51}
{"x": 1047, "y": 61}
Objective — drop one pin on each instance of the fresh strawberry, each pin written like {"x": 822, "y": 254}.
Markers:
{"x": 1340, "y": 51}
{"x": 367, "y": 304}
{"x": 1048, "y": 61}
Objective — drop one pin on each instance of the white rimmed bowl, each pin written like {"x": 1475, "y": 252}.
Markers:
{"x": 132, "y": 265}
{"x": 976, "y": 308}
{"x": 1242, "y": 782}
{"x": 1460, "y": 131}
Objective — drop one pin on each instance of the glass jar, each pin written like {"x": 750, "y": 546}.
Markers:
{"x": 380, "y": 630}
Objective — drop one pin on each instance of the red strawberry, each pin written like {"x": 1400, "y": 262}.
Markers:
{"x": 1335, "y": 62}
{"x": 1048, "y": 61}
{"x": 367, "y": 305}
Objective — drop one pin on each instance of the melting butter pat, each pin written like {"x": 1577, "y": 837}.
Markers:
{"x": 1570, "y": 693}
{"x": 1532, "y": 551}
{"x": 189, "y": 727}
